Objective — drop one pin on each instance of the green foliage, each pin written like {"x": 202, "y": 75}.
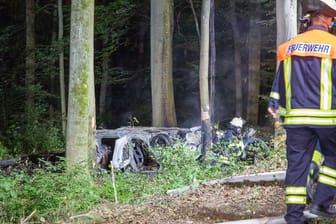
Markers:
{"x": 4, "y": 152}
{"x": 36, "y": 131}
{"x": 180, "y": 165}
{"x": 225, "y": 149}
{"x": 34, "y": 137}
{"x": 56, "y": 194}
{"x": 6, "y": 35}
{"x": 47, "y": 56}
{"x": 179, "y": 168}
{"x": 53, "y": 195}
{"x": 276, "y": 160}
{"x": 111, "y": 23}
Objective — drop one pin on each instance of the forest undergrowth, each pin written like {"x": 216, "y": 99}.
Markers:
{"x": 52, "y": 195}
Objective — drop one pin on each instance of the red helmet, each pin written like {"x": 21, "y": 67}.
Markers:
{"x": 324, "y": 7}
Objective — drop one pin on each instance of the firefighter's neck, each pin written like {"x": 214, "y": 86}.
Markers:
{"x": 321, "y": 20}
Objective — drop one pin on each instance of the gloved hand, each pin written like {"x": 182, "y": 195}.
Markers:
{"x": 273, "y": 103}
{"x": 273, "y": 106}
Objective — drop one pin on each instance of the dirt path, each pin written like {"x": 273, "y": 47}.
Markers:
{"x": 206, "y": 204}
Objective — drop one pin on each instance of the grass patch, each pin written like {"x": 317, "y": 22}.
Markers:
{"x": 56, "y": 196}
{"x": 52, "y": 195}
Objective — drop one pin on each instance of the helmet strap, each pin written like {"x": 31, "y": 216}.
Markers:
{"x": 326, "y": 23}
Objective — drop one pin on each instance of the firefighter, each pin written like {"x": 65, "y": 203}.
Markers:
{"x": 233, "y": 146}
{"x": 304, "y": 95}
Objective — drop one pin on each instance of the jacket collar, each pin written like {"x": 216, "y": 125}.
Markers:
{"x": 317, "y": 27}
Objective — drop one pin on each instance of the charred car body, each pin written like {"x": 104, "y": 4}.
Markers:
{"x": 128, "y": 148}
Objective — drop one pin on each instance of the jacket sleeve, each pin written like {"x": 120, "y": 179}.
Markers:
{"x": 274, "y": 97}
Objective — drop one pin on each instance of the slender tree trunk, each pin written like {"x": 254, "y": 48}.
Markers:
{"x": 212, "y": 61}
{"x": 237, "y": 62}
{"x": 80, "y": 143}
{"x": 51, "y": 67}
{"x": 30, "y": 55}
{"x": 163, "y": 104}
{"x": 61, "y": 64}
{"x": 254, "y": 66}
{"x": 203, "y": 74}
{"x": 195, "y": 19}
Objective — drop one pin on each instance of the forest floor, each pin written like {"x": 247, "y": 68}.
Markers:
{"x": 206, "y": 204}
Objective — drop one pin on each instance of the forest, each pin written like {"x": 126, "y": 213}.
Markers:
{"x": 74, "y": 71}
{"x": 35, "y": 58}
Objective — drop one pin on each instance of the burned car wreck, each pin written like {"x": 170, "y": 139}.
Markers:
{"x": 138, "y": 149}
{"x": 129, "y": 148}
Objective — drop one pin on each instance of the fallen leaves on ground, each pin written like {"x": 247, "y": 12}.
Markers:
{"x": 206, "y": 204}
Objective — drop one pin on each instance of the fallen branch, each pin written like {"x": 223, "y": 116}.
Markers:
{"x": 28, "y": 217}
{"x": 80, "y": 216}
{"x": 113, "y": 184}
{"x": 259, "y": 177}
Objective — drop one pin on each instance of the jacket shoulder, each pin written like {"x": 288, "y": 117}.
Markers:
{"x": 315, "y": 43}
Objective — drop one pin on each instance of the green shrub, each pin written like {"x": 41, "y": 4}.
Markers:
{"x": 53, "y": 195}
{"x": 4, "y": 152}
{"x": 179, "y": 168}
{"x": 56, "y": 195}
{"x": 34, "y": 137}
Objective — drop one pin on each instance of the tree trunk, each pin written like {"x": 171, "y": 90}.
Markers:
{"x": 286, "y": 16}
{"x": 80, "y": 142}
{"x": 286, "y": 19}
{"x": 212, "y": 61}
{"x": 203, "y": 74}
{"x": 163, "y": 104}
{"x": 195, "y": 19}
{"x": 237, "y": 62}
{"x": 254, "y": 66}
{"x": 30, "y": 56}
{"x": 51, "y": 67}
{"x": 61, "y": 65}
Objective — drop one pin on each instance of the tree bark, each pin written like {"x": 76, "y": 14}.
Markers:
{"x": 212, "y": 61}
{"x": 80, "y": 143}
{"x": 52, "y": 62}
{"x": 286, "y": 16}
{"x": 163, "y": 104}
{"x": 61, "y": 65}
{"x": 203, "y": 74}
{"x": 254, "y": 66}
{"x": 195, "y": 19}
{"x": 237, "y": 61}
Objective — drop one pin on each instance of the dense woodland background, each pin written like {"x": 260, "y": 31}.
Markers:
{"x": 245, "y": 41}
